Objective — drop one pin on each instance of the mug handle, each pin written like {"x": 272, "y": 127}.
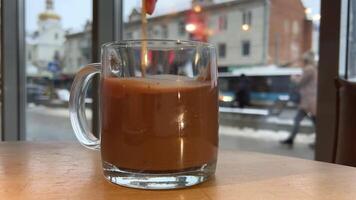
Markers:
{"x": 77, "y": 106}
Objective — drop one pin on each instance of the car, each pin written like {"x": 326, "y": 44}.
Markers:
{"x": 227, "y": 99}
{"x": 35, "y": 93}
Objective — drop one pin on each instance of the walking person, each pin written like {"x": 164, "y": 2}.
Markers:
{"x": 307, "y": 87}
{"x": 243, "y": 91}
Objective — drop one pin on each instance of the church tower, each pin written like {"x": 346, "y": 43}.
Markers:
{"x": 50, "y": 36}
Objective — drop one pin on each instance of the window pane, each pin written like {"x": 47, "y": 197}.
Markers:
{"x": 249, "y": 18}
{"x": 181, "y": 28}
{"x": 222, "y": 22}
{"x": 267, "y": 64}
{"x": 58, "y": 43}
{"x": 244, "y": 18}
{"x": 222, "y": 50}
{"x": 0, "y": 69}
{"x": 246, "y": 48}
{"x": 164, "y": 31}
{"x": 351, "y": 68}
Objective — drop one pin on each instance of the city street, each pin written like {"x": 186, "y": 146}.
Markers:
{"x": 52, "y": 124}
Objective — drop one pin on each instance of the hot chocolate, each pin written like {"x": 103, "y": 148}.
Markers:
{"x": 159, "y": 123}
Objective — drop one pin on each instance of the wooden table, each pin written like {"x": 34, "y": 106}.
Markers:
{"x": 69, "y": 171}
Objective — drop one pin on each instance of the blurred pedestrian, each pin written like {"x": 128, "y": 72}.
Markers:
{"x": 243, "y": 91}
{"x": 307, "y": 87}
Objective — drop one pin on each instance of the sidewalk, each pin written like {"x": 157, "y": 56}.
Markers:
{"x": 265, "y": 141}
{"x": 284, "y": 121}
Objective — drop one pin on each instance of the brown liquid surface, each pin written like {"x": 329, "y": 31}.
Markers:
{"x": 158, "y": 123}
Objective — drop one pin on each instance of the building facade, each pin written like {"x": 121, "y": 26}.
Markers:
{"x": 290, "y": 32}
{"x": 77, "y": 50}
{"x": 245, "y": 32}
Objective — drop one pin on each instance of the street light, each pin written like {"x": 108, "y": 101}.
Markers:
{"x": 245, "y": 27}
{"x": 308, "y": 11}
{"x": 316, "y": 17}
{"x": 197, "y": 8}
{"x": 190, "y": 28}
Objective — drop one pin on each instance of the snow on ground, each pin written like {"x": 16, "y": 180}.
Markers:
{"x": 265, "y": 135}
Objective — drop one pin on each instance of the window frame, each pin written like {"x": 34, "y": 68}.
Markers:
{"x": 107, "y": 26}
{"x": 13, "y": 82}
{"x": 331, "y": 56}
{"x": 348, "y": 51}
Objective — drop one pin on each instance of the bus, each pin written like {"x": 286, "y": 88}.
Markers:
{"x": 268, "y": 85}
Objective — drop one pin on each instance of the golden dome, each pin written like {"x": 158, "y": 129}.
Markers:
{"x": 49, "y": 15}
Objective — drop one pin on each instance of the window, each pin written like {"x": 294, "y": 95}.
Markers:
{"x": 251, "y": 50}
{"x": 222, "y": 22}
{"x": 164, "y": 31}
{"x": 155, "y": 32}
{"x": 350, "y": 72}
{"x": 181, "y": 28}
{"x": 247, "y": 18}
{"x": 296, "y": 27}
{"x": 129, "y": 35}
{"x": 56, "y": 49}
{"x": 286, "y": 26}
{"x": 70, "y": 62}
{"x": 80, "y": 61}
{"x": 274, "y": 49}
{"x": 222, "y": 50}
{"x": 246, "y": 48}
{"x": 150, "y": 31}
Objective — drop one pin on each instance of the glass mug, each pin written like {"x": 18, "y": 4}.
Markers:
{"x": 158, "y": 123}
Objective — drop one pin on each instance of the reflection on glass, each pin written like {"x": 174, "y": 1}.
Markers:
{"x": 261, "y": 46}
{"x": 58, "y": 43}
